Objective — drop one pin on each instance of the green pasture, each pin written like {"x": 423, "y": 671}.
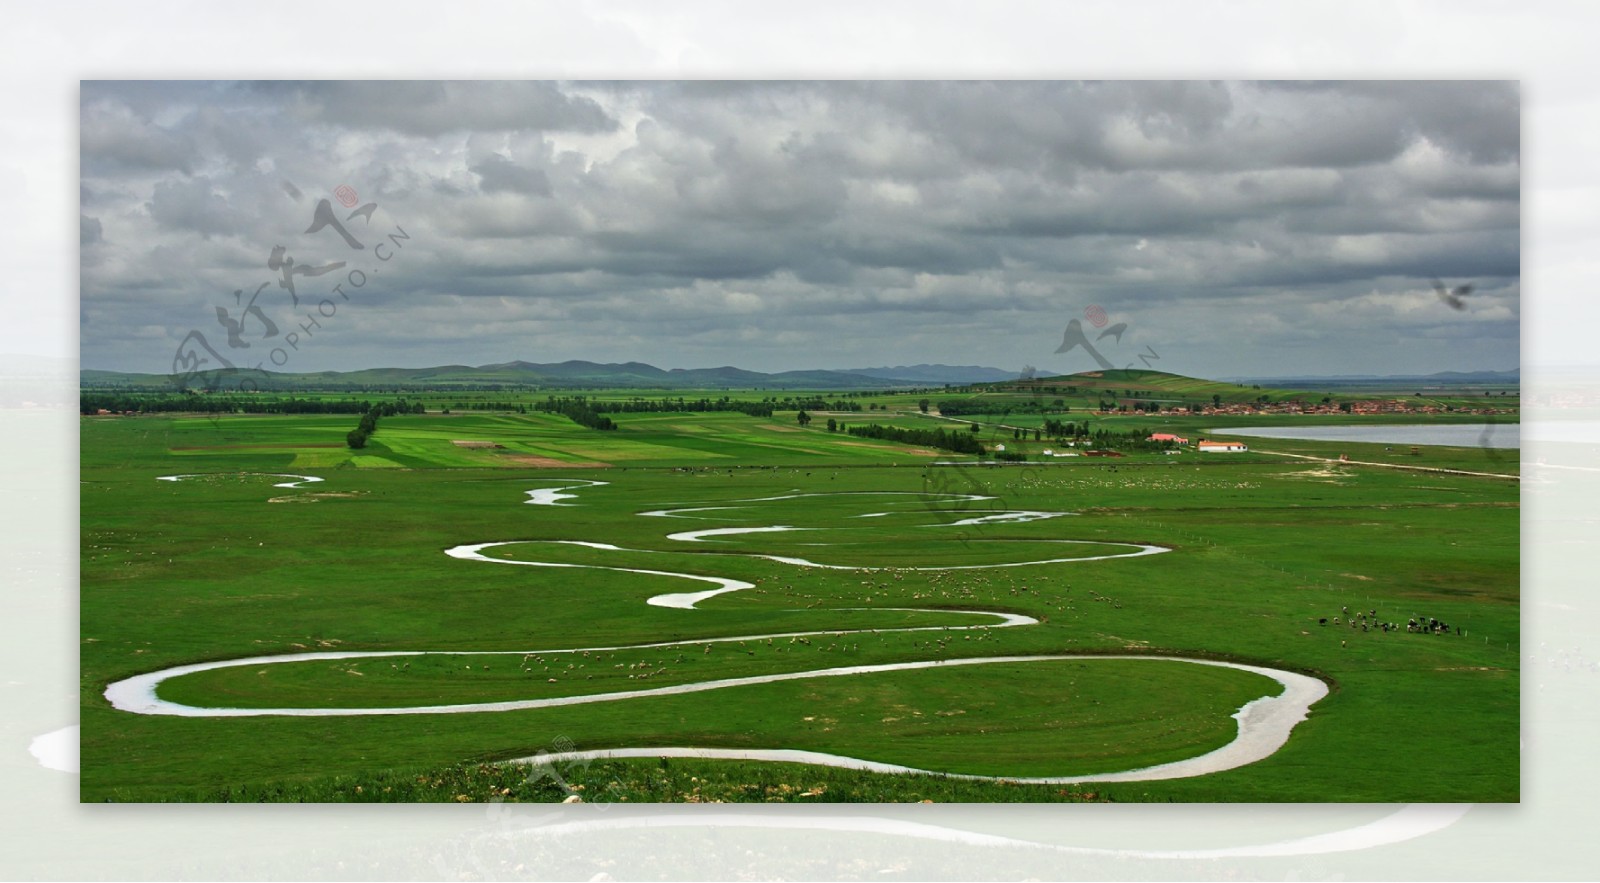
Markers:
{"x": 225, "y": 566}
{"x": 490, "y": 440}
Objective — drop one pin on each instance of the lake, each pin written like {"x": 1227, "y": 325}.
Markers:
{"x": 1461, "y": 435}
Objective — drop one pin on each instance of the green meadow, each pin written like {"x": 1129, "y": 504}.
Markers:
{"x": 884, "y": 558}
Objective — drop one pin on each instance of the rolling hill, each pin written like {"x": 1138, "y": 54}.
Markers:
{"x": 1150, "y": 385}
{"x": 573, "y": 374}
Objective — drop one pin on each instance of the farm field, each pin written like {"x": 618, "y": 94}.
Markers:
{"x": 521, "y": 560}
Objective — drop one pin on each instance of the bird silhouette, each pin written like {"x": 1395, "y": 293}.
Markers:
{"x": 1453, "y": 296}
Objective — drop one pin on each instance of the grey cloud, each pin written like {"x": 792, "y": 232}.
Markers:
{"x": 497, "y": 174}
{"x": 922, "y": 221}
{"x": 428, "y": 108}
{"x": 1477, "y": 119}
{"x": 112, "y": 138}
{"x": 192, "y": 205}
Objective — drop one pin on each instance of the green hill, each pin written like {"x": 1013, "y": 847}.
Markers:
{"x": 1127, "y": 383}
{"x": 1161, "y": 386}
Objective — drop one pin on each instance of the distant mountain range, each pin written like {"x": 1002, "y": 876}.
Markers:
{"x": 578, "y": 374}
{"x": 594, "y": 375}
{"x": 936, "y": 375}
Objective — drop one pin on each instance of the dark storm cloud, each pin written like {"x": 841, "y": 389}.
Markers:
{"x": 786, "y": 225}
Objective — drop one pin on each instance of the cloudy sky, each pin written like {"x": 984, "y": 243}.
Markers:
{"x": 1237, "y": 229}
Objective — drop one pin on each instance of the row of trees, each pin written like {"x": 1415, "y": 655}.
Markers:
{"x": 157, "y": 403}
{"x": 804, "y": 419}
{"x": 956, "y": 442}
{"x": 964, "y": 407}
{"x": 816, "y": 403}
{"x": 631, "y": 406}
{"x": 486, "y": 405}
{"x": 154, "y": 403}
{"x": 1065, "y": 429}
{"x": 357, "y": 438}
{"x": 680, "y": 404}
{"x": 579, "y": 410}
{"x": 1139, "y": 407}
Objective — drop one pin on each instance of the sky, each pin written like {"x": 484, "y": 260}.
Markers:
{"x": 1231, "y": 228}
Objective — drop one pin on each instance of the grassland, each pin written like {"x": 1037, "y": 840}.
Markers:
{"x": 226, "y": 565}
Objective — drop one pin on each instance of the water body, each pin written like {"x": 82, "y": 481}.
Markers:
{"x": 1460, "y": 435}
{"x": 1264, "y": 724}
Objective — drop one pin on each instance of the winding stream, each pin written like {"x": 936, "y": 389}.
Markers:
{"x": 1264, "y": 723}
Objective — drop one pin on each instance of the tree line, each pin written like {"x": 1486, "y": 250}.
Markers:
{"x": 817, "y": 403}
{"x": 680, "y": 404}
{"x": 965, "y": 407}
{"x": 579, "y": 410}
{"x": 955, "y": 442}
{"x": 357, "y": 438}
{"x": 91, "y": 402}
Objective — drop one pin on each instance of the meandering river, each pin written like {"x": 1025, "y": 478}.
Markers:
{"x": 1265, "y": 723}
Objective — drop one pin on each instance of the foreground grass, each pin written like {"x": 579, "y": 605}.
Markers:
{"x": 666, "y": 780}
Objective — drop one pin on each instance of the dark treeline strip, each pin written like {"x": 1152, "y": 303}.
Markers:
{"x": 1149, "y": 407}
{"x": 223, "y": 381}
{"x": 1004, "y": 407}
{"x": 680, "y": 404}
{"x": 963, "y": 407}
{"x": 357, "y": 438}
{"x": 820, "y": 404}
{"x": 764, "y": 408}
{"x": 1065, "y": 429}
{"x": 149, "y": 403}
{"x": 577, "y": 409}
{"x": 488, "y": 406}
{"x": 91, "y": 403}
{"x": 587, "y": 412}
{"x": 956, "y": 442}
